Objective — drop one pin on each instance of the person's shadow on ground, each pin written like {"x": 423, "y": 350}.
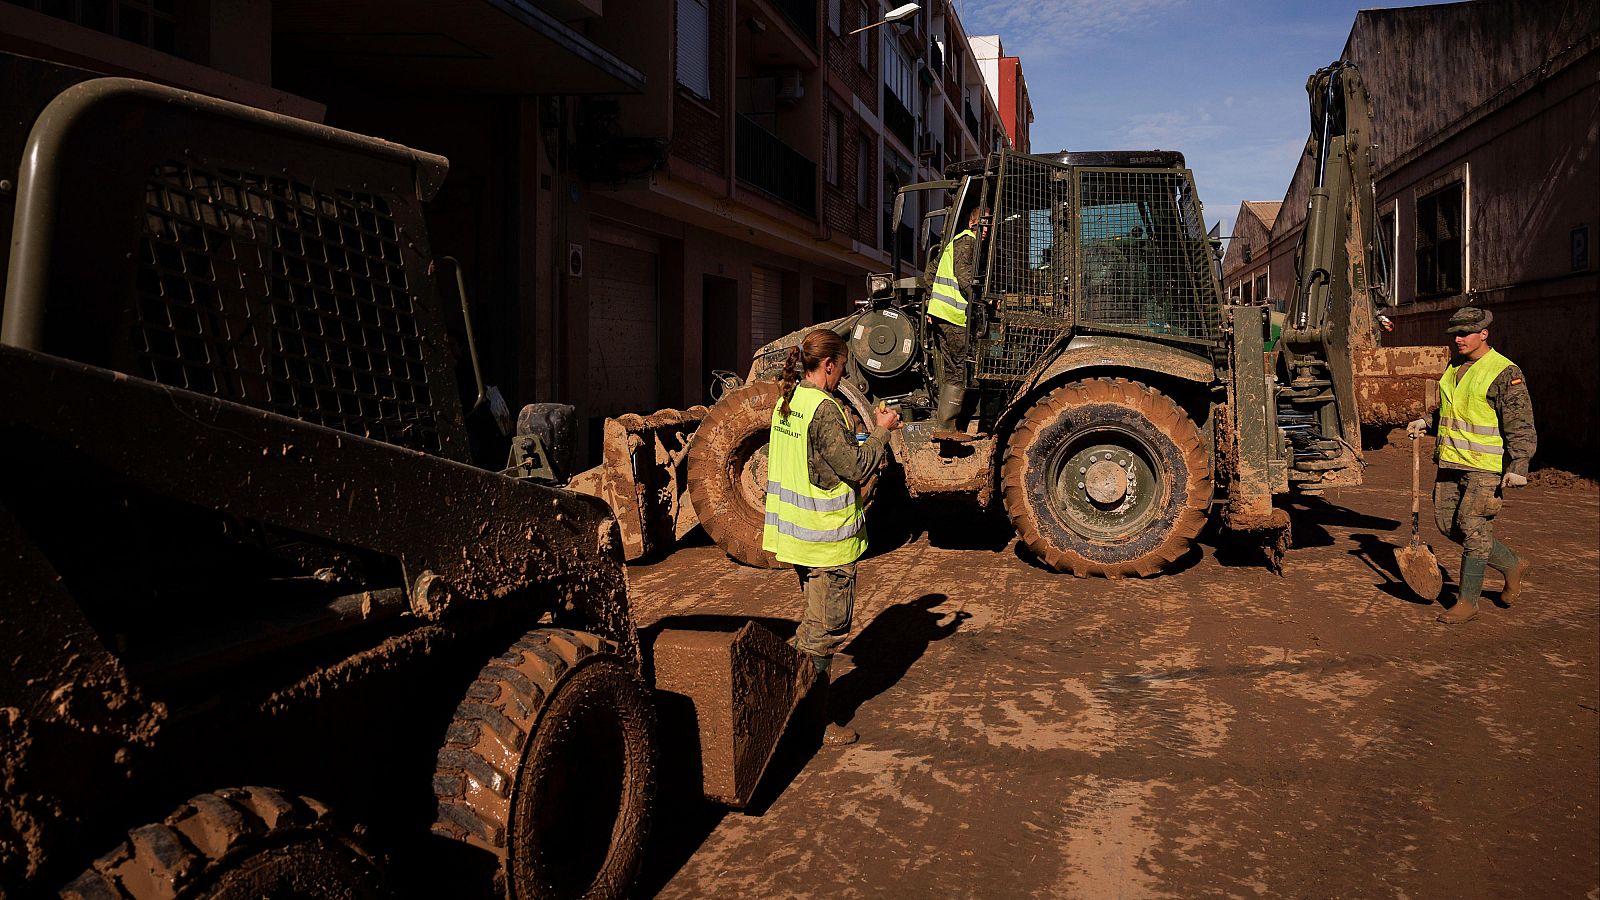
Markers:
{"x": 887, "y": 648}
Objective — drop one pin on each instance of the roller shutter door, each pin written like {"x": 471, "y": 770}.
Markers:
{"x": 624, "y": 352}
{"x": 766, "y": 306}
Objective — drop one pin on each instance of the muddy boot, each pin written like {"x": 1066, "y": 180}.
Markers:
{"x": 1513, "y": 567}
{"x": 833, "y": 734}
{"x": 944, "y": 416}
{"x": 1466, "y": 608}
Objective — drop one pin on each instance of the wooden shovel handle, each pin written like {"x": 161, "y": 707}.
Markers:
{"x": 1416, "y": 486}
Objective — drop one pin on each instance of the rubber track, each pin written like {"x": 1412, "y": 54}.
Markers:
{"x": 718, "y": 502}
{"x": 167, "y": 859}
{"x": 1161, "y": 412}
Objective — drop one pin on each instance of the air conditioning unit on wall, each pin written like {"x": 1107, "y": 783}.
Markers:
{"x": 791, "y": 87}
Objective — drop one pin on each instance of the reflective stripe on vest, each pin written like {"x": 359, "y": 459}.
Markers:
{"x": 945, "y": 300}
{"x": 806, "y": 525}
{"x": 1469, "y": 429}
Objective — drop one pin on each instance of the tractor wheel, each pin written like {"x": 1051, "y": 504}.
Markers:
{"x": 549, "y": 765}
{"x": 727, "y": 470}
{"x": 236, "y": 844}
{"x": 1107, "y": 477}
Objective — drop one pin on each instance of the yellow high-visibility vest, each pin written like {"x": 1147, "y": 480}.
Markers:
{"x": 805, "y": 524}
{"x": 946, "y": 301}
{"x": 1469, "y": 429}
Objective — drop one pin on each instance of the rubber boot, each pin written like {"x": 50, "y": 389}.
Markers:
{"x": 1466, "y": 608}
{"x": 833, "y": 734}
{"x": 1513, "y": 567}
{"x": 944, "y": 416}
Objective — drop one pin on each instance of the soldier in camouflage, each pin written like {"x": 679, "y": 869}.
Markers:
{"x": 1486, "y": 441}
{"x": 832, "y": 459}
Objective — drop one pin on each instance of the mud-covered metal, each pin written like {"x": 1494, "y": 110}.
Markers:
{"x": 1397, "y": 384}
{"x": 303, "y": 288}
{"x": 642, "y": 476}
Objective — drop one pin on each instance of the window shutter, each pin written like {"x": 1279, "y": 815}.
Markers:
{"x": 694, "y": 46}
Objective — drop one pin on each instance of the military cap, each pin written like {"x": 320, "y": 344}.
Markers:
{"x": 1469, "y": 319}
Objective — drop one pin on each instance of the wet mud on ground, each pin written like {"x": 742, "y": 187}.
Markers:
{"x": 1218, "y": 732}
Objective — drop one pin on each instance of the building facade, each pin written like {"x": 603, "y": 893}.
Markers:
{"x": 1487, "y": 172}
{"x": 640, "y": 194}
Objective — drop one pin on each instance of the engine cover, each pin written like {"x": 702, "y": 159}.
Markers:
{"x": 884, "y": 341}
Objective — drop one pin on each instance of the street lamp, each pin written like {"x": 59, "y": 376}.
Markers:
{"x": 897, "y": 15}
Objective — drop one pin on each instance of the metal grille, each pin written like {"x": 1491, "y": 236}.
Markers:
{"x": 266, "y": 291}
{"x": 1027, "y": 278}
{"x": 1146, "y": 262}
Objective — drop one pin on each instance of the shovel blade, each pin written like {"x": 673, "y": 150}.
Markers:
{"x": 1420, "y": 570}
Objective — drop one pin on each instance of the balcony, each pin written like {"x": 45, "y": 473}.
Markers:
{"x": 765, "y": 162}
{"x": 972, "y": 124}
{"x": 803, "y": 16}
{"x": 935, "y": 60}
{"x": 899, "y": 120}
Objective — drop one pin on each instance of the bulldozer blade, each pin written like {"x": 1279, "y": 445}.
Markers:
{"x": 641, "y": 475}
{"x": 1420, "y": 570}
{"x": 733, "y": 691}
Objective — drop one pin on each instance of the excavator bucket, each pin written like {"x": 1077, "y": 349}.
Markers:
{"x": 641, "y": 474}
{"x": 733, "y": 692}
{"x": 1397, "y": 384}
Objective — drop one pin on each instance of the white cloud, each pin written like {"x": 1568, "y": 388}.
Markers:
{"x": 1044, "y": 28}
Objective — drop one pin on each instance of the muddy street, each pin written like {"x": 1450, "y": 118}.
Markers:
{"x": 1218, "y": 732}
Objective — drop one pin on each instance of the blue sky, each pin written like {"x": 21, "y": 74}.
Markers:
{"x": 1222, "y": 82}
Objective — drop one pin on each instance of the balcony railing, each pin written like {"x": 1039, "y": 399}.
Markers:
{"x": 899, "y": 120}
{"x": 803, "y": 16}
{"x": 972, "y": 124}
{"x": 765, "y": 162}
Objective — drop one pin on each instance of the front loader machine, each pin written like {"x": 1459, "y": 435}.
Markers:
{"x": 249, "y": 569}
{"x": 1115, "y": 400}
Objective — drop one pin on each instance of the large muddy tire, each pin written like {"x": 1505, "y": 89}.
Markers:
{"x": 1107, "y": 477}
{"x": 549, "y": 766}
{"x": 237, "y": 844}
{"x": 727, "y": 470}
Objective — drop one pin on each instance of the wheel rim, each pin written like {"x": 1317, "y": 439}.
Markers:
{"x": 750, "y": 474}
{"x": 1105, "y": 484}
{"x": 577, "y": 797}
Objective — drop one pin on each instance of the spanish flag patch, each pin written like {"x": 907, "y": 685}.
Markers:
{"x": 1516, "y": 381}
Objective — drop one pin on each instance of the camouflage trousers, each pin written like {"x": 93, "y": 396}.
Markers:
{"x": 950, "y": 343}
{"x": 830, "y": 594}
{"x": 1464, "y": 507}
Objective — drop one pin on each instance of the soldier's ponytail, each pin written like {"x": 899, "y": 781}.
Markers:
{"x": 806, "y": 356}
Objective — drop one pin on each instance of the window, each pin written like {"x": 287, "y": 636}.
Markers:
{"x": 864, "y": 47}
{"x": 896, "y": 69}
{"x": 833, "y": 15}
{"x": 863, "y": 171}
{"x": 1246, "y": 293}
{"x": 153, "y": 23}
{"x": 1440, "y": 256}
{"x": 835, "y": 139}
{"x": 1261, "y": 287}
{"x": 1384, "y": 269}
{"x": 694, "y": 46}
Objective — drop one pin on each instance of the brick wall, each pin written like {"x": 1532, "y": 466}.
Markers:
{"x": 844, "y": 59}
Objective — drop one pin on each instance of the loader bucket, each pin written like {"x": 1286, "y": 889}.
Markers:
{"x": 732, "y": 692}
{"x": 641, "y": 475}
{"x": 1397, "y": 384}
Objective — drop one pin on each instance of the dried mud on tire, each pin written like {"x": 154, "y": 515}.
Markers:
{"x": 1074, "y": 411}
{"x": 235, "y": 844}
{"x": 732, "y": 432}
{"x": 549, "y": 766}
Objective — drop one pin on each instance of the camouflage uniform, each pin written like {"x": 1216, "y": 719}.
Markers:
{"x": 1465, "y": 500}
{"x": 830, "y": 591}
{"x": 951, "y": 341}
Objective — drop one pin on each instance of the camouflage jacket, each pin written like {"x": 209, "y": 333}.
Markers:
{"x": 966, "y": 265}
{"x": 1508, "y": 394}
{"x": 835, "y": 456}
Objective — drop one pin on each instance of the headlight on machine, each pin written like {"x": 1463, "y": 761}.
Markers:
{"x": 879, "y": 285}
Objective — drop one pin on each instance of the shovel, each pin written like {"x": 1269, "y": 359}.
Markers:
{"x": 1417, "y": 565}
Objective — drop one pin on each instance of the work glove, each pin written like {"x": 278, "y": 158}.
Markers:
{"x": 1512, "y": 479}
{"x": 1416, "y": 428}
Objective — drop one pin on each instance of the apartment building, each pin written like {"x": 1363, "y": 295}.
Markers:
{"x": 1486, "y": 166}
{"x": 640, "y": 194}
{"x": 1008, "y": 89}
